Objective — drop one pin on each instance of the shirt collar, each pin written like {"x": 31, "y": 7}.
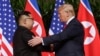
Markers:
{"x": 70, "y": 20}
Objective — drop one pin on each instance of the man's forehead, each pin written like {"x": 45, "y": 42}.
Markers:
{"x": 29, "y": 15}
{"x": 26, "y": 16}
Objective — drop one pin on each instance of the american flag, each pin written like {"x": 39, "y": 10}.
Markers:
{"x": 7, "y": 28}
{"x": 56, "y": 25}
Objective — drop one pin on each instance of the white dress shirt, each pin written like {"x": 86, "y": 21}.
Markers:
{"x": 70, "y": 20}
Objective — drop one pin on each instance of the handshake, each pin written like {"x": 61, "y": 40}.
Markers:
{"x": 35, "y": 41}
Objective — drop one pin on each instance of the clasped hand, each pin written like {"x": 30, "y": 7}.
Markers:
{"x": 35, "y": 41}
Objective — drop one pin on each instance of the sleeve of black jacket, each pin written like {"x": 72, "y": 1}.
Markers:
{"x": 28, "y": 35}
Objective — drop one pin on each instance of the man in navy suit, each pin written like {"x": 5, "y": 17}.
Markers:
{"x": 70, "y": 41}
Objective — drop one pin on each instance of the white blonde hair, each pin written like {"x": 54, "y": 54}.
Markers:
{"x": 67, "y": 7}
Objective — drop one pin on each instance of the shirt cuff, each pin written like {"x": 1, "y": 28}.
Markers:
{"x": 42, "y": 42}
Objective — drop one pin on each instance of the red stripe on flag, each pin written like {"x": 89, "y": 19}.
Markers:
{"x": 0, "y": 43}
{"x": 6, "y": 49}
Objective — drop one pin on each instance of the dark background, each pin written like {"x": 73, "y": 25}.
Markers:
{"x": 47, "y": 7}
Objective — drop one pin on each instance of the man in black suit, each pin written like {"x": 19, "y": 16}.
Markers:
{"x": 70, "y": 41}
{"x": 23, "y": 34}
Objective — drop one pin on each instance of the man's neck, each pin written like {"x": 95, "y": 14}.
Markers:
{"x": 70, "y": 20}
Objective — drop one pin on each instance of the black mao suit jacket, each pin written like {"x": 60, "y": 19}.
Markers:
{"x": 20, "y": 43}
{"x": 70, "y": 41}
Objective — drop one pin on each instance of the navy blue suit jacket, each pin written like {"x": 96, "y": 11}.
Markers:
{"x": 70, "y": 41}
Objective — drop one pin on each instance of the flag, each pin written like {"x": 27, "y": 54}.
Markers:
{"x": 91, "y": 38}
{"x": 56, "y": 25}
{"x": 38, "y": 27}
{"x": 7, "y": 28}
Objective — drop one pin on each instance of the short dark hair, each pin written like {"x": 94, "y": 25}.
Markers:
{"x": 20, "y": 14}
